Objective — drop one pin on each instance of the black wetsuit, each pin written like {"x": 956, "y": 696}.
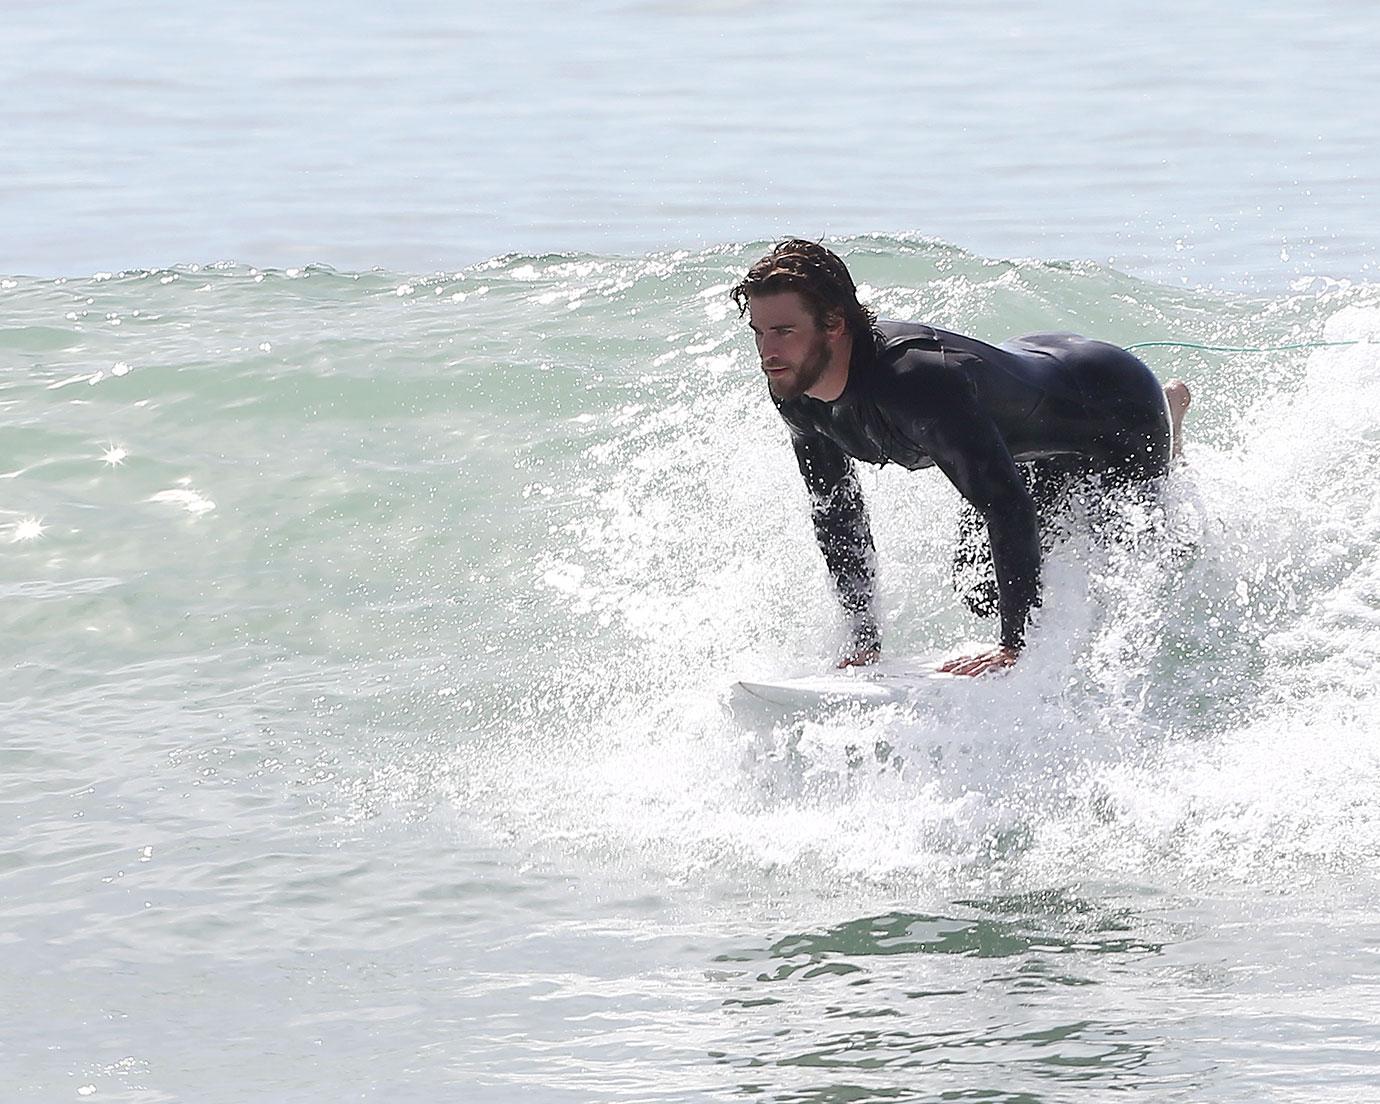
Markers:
{"x": 918, "y": 397}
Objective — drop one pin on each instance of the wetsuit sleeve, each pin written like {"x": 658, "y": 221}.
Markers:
{"x": 966, "y": 446}
{"x": 841, "y": 527}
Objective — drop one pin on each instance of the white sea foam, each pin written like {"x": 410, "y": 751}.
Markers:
{"x": 1155, "y": 730}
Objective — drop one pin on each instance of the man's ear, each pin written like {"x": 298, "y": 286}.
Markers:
{"x": 834, "y": 324}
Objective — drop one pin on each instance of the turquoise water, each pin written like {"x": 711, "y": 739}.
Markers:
{"x": 371, "y": 596}
{"x": 367, "y": 639}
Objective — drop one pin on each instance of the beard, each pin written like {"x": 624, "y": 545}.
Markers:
{"x": 799, "y": 378}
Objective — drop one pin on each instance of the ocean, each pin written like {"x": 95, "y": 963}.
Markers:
{"x": 389, "y": 497}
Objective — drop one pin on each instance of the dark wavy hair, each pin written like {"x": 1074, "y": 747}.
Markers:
{"x": 817, "y": 274}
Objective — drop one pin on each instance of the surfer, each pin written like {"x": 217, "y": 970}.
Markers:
{"x": 851, "y": 387}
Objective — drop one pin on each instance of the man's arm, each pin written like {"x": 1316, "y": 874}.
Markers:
{"x": 966, "y": 446}
{"x": 841, "y": 527}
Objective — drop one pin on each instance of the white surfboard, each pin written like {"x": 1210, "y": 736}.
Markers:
{"x": 893, "y": 682}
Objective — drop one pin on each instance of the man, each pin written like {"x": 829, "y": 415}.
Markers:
{"x": 850, "y": 387}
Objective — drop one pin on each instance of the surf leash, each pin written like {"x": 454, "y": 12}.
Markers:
{"x": 1242, "y": 348}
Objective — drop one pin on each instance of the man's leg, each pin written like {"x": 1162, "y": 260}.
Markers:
{"x": 974, "y": 578}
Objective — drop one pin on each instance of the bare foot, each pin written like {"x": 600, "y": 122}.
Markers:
{"x": 1178, "y": 396}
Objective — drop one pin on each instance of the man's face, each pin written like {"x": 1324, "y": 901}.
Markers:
{"x": 793, "y": 348}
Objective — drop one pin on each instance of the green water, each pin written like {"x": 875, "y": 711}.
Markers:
{"x": 366, "y": 640}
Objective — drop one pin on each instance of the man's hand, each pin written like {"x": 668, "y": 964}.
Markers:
{"x": 991, "y": 660}
{"x": 860, "y": 657}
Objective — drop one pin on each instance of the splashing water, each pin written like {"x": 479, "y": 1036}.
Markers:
{"x": 369, "y": 638}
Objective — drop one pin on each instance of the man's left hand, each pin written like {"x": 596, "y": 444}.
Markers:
{"x": 990, "y": 660}
{"x": 860, "y": 657}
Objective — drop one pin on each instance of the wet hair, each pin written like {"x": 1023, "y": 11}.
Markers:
{"x": 814, "y": 272}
